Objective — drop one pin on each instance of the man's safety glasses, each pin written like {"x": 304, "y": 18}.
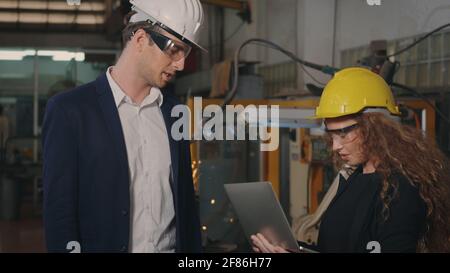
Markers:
{"x": 175, "y": 50}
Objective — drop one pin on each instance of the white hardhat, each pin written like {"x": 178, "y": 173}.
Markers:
{"x": 181, "y": 18}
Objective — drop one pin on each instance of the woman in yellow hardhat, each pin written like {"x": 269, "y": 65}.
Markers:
{"x": 398, "y": 194}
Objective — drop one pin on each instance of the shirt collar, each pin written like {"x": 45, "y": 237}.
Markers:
{"x": 154, "y": 96}
{"x": 120, "y": 96}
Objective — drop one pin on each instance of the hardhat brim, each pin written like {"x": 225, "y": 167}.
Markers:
{"x": 141, "y": 16}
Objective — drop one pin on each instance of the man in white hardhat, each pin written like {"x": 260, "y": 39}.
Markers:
{"x": 114, "y": 178}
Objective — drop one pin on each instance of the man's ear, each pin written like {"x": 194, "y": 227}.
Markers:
{"x": 140, "y": 39}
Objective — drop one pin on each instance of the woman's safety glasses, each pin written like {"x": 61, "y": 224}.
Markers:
{"x": 343, "y": 134}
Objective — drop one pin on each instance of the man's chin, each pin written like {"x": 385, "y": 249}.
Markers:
{"x": 161, "y": 84}
{"x": 165, "y": 82}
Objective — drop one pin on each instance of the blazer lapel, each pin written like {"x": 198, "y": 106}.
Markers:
{"x": 166, "y": 109}
{"x": 111, "y": 115}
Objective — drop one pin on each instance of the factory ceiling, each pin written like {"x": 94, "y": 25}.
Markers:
{"x": 54, "y": 15}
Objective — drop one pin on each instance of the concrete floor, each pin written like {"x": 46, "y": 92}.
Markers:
{"x": 25, "y": 235}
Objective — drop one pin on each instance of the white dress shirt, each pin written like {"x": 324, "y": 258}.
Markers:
{"x": 152, "y": 210}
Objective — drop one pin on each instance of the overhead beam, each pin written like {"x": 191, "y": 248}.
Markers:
{"x": 56, "y": 40}
{"x": 51, "y": 18}
{"x": 51, "y": 28}
{"x": 52, "y": 5}
{"x": 51, "y": 11}
{"x": 108, "y": 8}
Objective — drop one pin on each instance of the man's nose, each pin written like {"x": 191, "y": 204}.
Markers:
{"x": 179, "y": 65}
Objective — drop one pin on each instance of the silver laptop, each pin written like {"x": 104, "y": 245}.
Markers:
{"x": 259, "y": 211}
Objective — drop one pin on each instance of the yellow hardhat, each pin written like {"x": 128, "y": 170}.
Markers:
{"x": 352, "y": 90}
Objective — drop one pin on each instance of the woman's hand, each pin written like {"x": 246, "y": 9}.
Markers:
{"x": 262, "y": 245}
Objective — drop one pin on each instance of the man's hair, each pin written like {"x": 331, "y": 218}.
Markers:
{"x": 405, "y": 150}
{"x": 131, "y": 28}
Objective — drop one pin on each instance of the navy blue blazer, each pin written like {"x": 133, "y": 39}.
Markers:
{"x": 86, "y": 174}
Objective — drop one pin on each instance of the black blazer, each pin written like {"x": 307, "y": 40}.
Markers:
{"x": 351, "y": 222}
{"x": 86, "y": 174}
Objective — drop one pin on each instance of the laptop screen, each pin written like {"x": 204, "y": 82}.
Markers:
{"x": 259, "y": 211}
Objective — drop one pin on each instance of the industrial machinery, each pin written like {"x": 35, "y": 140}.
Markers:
{"x": 300, "y": 169}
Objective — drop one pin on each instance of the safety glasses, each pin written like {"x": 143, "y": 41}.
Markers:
{"x": 342, "y": 134}
{"x": 175, "y": 50}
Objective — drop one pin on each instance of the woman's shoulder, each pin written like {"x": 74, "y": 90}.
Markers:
{"x": 404, "y": 194}
{"x": 403, "y": 184}
{"x": 400, "y": 192}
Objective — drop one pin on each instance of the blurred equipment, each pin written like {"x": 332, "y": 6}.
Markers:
{"x": 262, "y": 42}
{"x": 242, "y": 6}
{"x": 4, "y": 129}
{"x": 222, "y": 162}
{"x": 419, "y": 40}
{"x": 297, "y": 118}
{"x": 20, "y": 179}
{"x": 221, "y": 79}
{"x": 375, "y": 60}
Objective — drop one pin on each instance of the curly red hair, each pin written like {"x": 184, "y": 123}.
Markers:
{"x": 404, "y": 149}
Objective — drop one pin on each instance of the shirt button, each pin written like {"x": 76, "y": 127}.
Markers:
{"x": 124, "y": 212}
{"x": 123, "y": 249}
